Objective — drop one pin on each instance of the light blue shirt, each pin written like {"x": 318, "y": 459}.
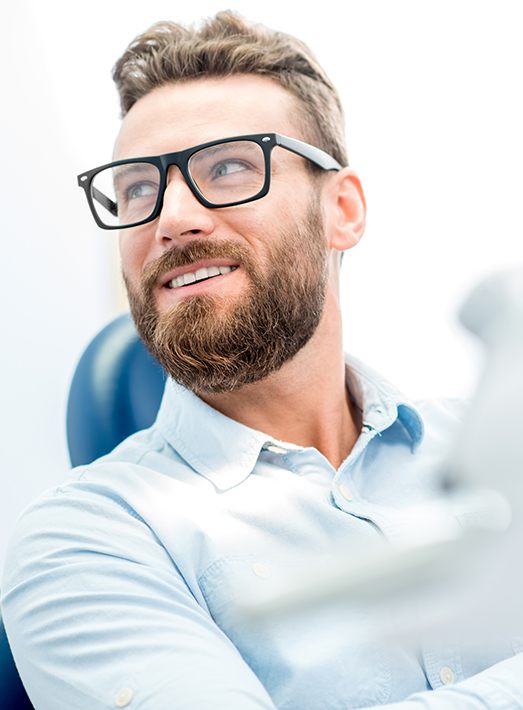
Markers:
{"x": 119, "y": 585}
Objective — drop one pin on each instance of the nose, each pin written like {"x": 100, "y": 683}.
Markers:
{"x": 182, "y": 216}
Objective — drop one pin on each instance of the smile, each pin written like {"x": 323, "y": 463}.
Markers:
{"x": 202, "y": 274}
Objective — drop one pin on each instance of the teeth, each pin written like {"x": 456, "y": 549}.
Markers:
{"x": 200, "y": 274}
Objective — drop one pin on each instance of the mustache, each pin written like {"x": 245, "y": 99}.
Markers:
{"x": 188, "y": 254}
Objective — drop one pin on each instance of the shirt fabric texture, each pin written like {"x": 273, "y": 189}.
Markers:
{"x": 120, "y": 585}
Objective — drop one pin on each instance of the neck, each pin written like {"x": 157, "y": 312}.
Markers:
{"x": 306, "y": 401}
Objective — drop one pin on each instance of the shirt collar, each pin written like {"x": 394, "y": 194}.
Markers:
{"x": 225, "y": 451}
{"x": 380, "y": 402}
{"x": 219, "y": 448}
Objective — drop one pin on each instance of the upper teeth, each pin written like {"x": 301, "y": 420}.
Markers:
{"x": 204, "y": 273}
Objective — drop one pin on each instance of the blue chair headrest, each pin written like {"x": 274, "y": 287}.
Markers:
{"x": 116, "y": 390}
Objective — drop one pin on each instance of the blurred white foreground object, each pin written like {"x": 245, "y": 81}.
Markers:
{"x": 476, "y": 570}
{"x": 490, "y": 446}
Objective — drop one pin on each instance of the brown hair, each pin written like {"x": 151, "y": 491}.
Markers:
{"x": 227, "y": 44}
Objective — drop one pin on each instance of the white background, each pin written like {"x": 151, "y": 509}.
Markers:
{"x": 432, "y": 91}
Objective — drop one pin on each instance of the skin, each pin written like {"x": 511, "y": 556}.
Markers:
{"x": 305, "y": 402}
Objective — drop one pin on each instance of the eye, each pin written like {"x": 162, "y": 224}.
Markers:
{"x": 227, "y": 167}
{"x": 140, "y": 190}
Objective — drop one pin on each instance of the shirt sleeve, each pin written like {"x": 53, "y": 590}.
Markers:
{"x": 499, "y": 687}
{"x": 99, "y": 616}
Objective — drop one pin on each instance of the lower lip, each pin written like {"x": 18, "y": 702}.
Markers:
{"x": 216, "y": 282}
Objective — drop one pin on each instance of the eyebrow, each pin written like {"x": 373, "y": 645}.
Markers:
{"x": 211, "y": 150}
{"x": 129, "y": 168}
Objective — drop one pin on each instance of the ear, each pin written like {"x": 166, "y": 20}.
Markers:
{"x": 345, "y": 210}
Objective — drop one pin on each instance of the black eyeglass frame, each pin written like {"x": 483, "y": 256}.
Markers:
{"x": 181, "y": 158}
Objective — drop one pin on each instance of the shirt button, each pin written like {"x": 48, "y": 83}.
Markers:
{"x": 345, "y": 492}
{"x": 447, "y": 676}
{"x": 123, "y": 697}
{"x": 276, "y": 449}
{"x": 261, "y": 570}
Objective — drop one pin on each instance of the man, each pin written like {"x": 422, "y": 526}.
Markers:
{"x": 233, "y": 198}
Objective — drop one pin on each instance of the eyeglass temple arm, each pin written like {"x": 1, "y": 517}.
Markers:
{"x": 105, "y": 201}
{"x": 316, "y": 155}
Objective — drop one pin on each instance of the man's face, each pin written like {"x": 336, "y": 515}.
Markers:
{"x": 245, "y": 323}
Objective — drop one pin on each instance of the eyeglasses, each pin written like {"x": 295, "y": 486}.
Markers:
{"x": 222, "y": 173}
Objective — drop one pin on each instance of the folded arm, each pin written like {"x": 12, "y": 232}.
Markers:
{"x": 98, "y": 616}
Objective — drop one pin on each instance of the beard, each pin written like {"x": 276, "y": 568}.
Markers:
{"x": 210, "y": 344}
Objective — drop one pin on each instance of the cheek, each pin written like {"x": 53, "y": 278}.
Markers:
{"x": 258, "y": 224}
{"x": 132, "y": 255}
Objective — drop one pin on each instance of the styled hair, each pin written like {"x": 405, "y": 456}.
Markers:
{"x": 227, "y": 44}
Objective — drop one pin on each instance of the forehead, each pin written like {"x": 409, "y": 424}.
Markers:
{"x": 178, "y": 116}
